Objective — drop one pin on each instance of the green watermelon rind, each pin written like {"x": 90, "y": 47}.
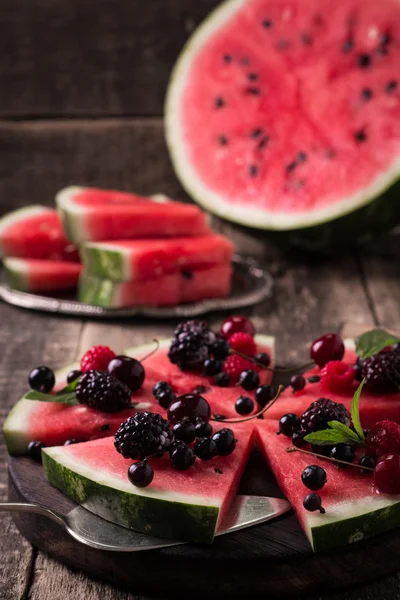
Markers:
{"x": 69, "y": 212}
{"x": 104, "y": 261}
{"x": 18, "y": 216}
{"x": 355, "y": 219}
{"x": 183, "y": 519}
{"x": 13, "y": 429}
{"x": 17, "y": 273}
{"x": 99, "y": 292}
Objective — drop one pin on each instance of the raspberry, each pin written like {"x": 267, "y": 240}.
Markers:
{"x": 234, "y": 365}
{"x": 244, "y": 343}
{"x": 383, "y": 438}
{"x": 320, "y": 412}
{"x": 336, "y": 376}
{"x": 97, "y": 359}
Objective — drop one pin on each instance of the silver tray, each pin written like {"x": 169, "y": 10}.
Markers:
{"x": 250, "y": 285}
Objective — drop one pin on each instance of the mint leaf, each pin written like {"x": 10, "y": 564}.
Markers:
{"x": 345, "y": 431}
{"x": 67, "y": 398}
{"x": 71, "y": 387}
{"x": 374, "y": 341}
{"x": 327, "y": 437}
{"x": 355, "y": 412}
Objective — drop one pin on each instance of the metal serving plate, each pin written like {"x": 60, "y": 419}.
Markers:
{"x": 250, "y": 285}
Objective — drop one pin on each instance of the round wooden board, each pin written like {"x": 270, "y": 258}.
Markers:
{"x": 274, "y": 558}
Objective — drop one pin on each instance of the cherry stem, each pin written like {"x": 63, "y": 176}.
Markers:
{"x": 334, "y": 460}
{"x": 266, "y": 407}
{"x": 157, "y": 343}
{"x": 251, "y": 359}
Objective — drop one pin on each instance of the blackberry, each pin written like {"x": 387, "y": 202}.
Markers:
{"x": 143, "y": 435}
{"x": 191, "y": 345}
{"x": 320, "y": 412}
{"x": 102, "y": 391}
{"x": 382, "y": 372}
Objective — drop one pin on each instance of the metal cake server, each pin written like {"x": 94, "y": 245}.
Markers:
{"x": 94, "y": 531}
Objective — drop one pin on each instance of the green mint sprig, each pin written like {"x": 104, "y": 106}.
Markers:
{"x": 339, "y": 433}
{"x": 372, "y": 342}
{"x": 65, "y": 396}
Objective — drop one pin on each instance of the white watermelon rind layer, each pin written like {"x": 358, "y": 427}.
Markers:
{"x": 173, "y": 515}
{"x": 20, "y": 215}
{"x": 243, "y": 213}
{"x": 15, "y": 430}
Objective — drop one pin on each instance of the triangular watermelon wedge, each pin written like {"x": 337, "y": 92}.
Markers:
{"x": 184, "y": 505}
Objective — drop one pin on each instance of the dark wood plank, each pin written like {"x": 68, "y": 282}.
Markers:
{"x": 93, "y": 58}
{"x": 25, "y": 339}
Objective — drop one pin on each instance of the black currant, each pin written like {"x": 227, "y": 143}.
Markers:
{"x": 313, "y": 502}
{"x": 42, "y": 379}
{"x": 314, "y": 477}
{"x": 166, "y": 398}
{"x": 184, "y": 431}
{"x": 182, "y": 457}
{"x": 225, "y": 440}
{"x": 205, "y": 448}
{"x": 34, "y": 450}
{"x": 343, "y": 452}
{"x": 357, "y": 372}
{"x": 219, "y": 349}
{"x": 297, "y": 383}
{"x": 264, "y": 394}
{"x": 212, "y": 366}
{"x": 321, "y": 450}
{"x": 160, "y": 387}
{"x": 366, "y": 461}
{"x": 73, "y": 375}
{"x": 222, "y": 379}
{"x": 203, "y": 429}
{"x": 298, "y": 439}
{"x": 288, "y": 424}
{"x": 70, "y": 442}
{"x": 249, "y": 379}
{"x": 140, "y": 474}
{"x": 262, "y": 358}
{"x": 244, "y": 405}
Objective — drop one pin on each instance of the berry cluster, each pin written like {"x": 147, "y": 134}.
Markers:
{"x": 145, "y": 435}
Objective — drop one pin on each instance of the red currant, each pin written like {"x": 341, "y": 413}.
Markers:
{"x": 237, "y": 324}
{"x": 326, "y": 348}
{"x": 387, "y": 474}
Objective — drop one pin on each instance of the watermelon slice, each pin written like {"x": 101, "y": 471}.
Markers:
{"x": 285, "y": 116}
{"x": 184, "y": 505}
{"x": 35, "y": 232}
{"x": 37, "y": 275}
{"x": 90, "y": 214}
{"x": 130, "y": 260}
{"x": 167, "y": 290}
{"x": 354, "y": 510}
{"x": 373, "y": 407}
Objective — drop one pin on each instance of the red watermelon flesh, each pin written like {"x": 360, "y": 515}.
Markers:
{"x": 373, "y": 407}
{"x": 354, "y": 510}
{"x": 90, "y": 214}
{"x": 166, "y": 290}
{"x": 283, "y": 115}
{"x": 130, "y": 260}
{"x": 35, "y": 232}
{"x": 36, "y": 275}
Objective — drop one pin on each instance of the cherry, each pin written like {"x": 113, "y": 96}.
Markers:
{"x": 192, "y": 406}
{"x": 326, "y": 348}
{"x": 236, "y": 324}
{"x": 128, "y": 370}
{"x": 387, "y": 474}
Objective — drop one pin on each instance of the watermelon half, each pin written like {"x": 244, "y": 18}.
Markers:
{"x": 184, "y": 505}
{"x": 35, "y": 232}
{"x": 40, "y": 275}
{"x": 354, "y": 509}
{"x": 285, "y": 115}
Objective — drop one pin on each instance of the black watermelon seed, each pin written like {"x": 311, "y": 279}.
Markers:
{"x": 314, "y": 379}
{"x": 306, "y": 39}
{"x": 364, "y": 61}
{"x": 390, "y": 86}
{"x": 252, "y": 76}
{"x": 219, "y": 102}
{"x": 218, "y": 471}
{"x": 330, "y": 153}
{"x": 282, "y": 45}
{"x": 223, "y": 140}
{"x": 366, "y": 94}
{"x": 360, "y": 135}
{"x": 348, "y": 46}
{"x": 245, "y": 61}
{"x": 227, "y": 58}
{"x": 256, "y": 133}
{"x": 105, "y": 427}
{"x": 253, "y": 170}
{"x": 200, "y": 389}
{"x": 219, "y": 417}
{"x": 186, "y": 274}
{"x": 291, "y": 166}
{"x": 267, "y": 23}
{"x": 385, "y": 39}
{"x": 301, "y": 157}
{"x": 253, "y": 91}
{"x": 263, "y": 143}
